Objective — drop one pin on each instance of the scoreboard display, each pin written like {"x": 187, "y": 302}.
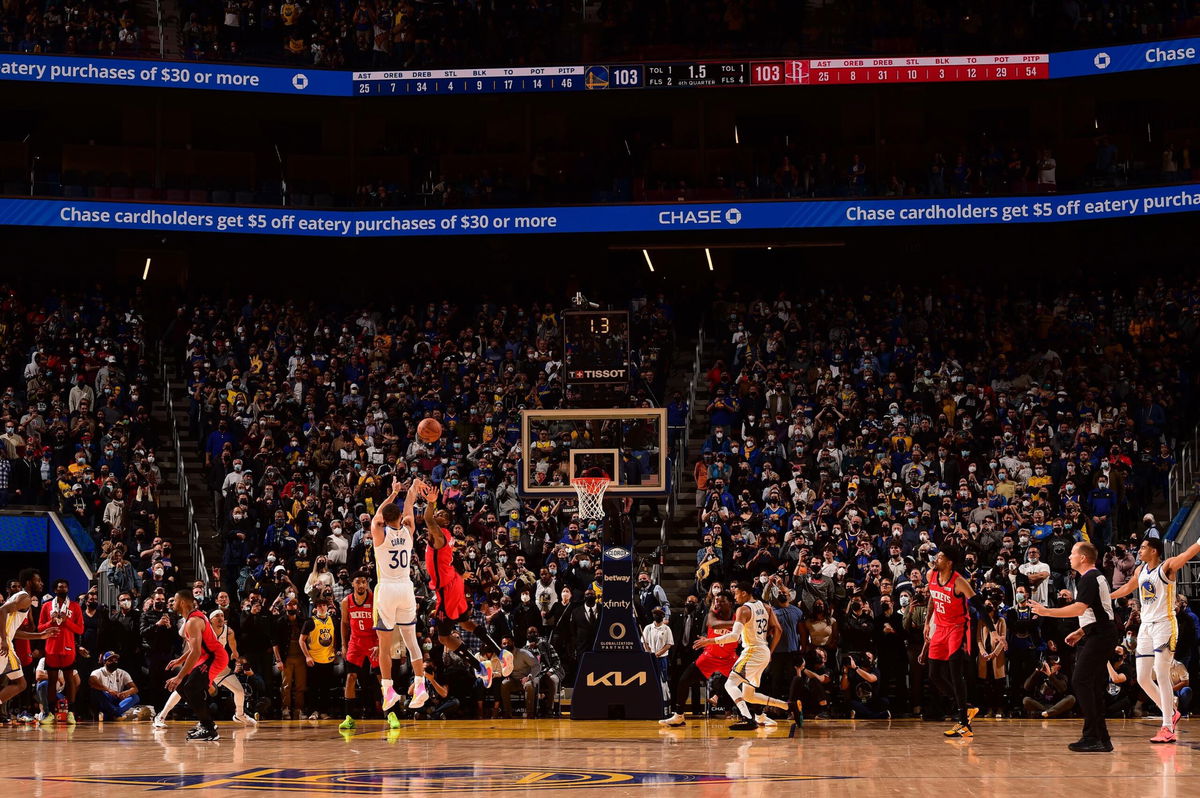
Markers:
{"x": 939, "y": 69}
{"x": 706, "y": 74}
{"x": 596, "y": 347}
{"x": 710, "y": 73}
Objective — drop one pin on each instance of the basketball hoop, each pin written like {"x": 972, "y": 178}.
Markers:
{"x": 591, "y": 496}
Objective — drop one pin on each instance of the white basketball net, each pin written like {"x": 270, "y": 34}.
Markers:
{"x": 591, "y": 496}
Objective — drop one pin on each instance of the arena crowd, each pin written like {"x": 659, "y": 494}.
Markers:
{"x": 849, "y": 437}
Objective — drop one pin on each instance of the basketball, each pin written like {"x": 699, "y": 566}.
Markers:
{"x": 429, "y": 430}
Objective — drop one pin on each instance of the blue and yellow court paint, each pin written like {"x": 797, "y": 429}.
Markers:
{"x": 620, "y": 759}
{"x": 449, "y": 779}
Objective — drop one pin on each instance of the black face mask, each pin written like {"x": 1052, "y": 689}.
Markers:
{"x": 590, "y": 600}
{"x": 62, "y": 594}
{"x": 110, "y": 666}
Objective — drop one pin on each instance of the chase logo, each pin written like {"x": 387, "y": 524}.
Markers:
{"x": 701, "y": 217}
{"x": 616, "y": 553}
{"x": 472, "y": 779}
{"x": 300, "y": 81}
{"x": 1102, "y": 60}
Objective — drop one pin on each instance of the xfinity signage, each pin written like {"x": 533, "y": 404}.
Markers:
{"x": 1127, "y": 58}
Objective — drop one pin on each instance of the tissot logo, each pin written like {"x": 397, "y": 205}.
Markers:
{"x": 597, "y": 374}
{"x": 616, "y": 679}
{"x": 616, "y": 553}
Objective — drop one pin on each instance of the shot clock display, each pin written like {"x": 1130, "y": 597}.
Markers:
{"x": 596, "y": 346}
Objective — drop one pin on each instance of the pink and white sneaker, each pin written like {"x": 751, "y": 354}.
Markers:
{"x": 1175, "y": 720}
{"x": 390, "y": 698}
{"x": 420, "y": 695}
{"x": 1164, "y": 735}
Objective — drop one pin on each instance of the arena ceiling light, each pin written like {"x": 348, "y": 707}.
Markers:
{"x": 708, "y": 257}
{"x": 646, "y": 255}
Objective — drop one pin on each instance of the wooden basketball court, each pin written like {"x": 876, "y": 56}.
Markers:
{"x": 554, "y": 757}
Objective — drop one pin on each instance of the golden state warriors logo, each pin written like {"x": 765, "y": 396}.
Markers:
{"x": 1149, "y": 591}
{"x": 474, "y": 779}
{"x": 596, "y": 77}
{"x": 326, "y": 636}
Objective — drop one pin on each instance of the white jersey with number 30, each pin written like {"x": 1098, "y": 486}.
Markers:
{"x": 394, "y": 556}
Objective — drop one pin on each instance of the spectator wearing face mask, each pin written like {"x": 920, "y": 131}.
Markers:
{"x": 551, "y": 673}
{"x": 160, "y": 642}
{"x": 291, "y": 660}
{"x": 524, "y": 613}
{"x": 1024, "y": 637}
{"x": 155, "y": 579}
{"x": 62, "y": 650}
{"x": 1046, "y": 691}
{"x": 1038, "y": 574}
{"x": 992, "y": 645}
{"x": 337, "y": 546}
{"x": 658, "y": 641}
{"x": 649, "y": 597}
{"x": 116, "y": 575}
{"x": 319, "y": 644}
{"x": 1120, "y": 561}
{"x": 114, "y": 693}
{"x": 583, "y": 622}
{"x": 256, "y": 636}
{"x": 319, "y": 579}
{"x": 1102, "y": 507}
{"x": 122, "y": 631}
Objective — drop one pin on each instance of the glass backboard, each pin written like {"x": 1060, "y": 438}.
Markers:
{"x": 628, "y": 444}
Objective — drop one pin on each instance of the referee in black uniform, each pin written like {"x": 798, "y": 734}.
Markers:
{"x": 1097, "y": 637}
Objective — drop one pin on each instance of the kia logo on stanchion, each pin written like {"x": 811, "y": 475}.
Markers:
{"x": 1102, "y": 60}
{"x": 300, "y": 81}
{"x": 616, "y": 679}
{"x": 733, "y": 216}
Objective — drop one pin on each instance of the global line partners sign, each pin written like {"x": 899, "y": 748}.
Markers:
{"x": 767, "y": 215}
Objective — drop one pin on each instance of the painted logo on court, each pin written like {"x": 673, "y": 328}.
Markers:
{"x": 425, "y": 780}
